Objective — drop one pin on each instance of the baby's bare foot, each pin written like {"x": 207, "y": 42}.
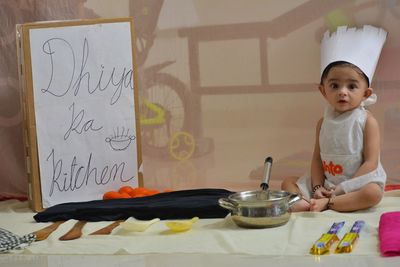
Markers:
{"x": 300, "y": 205}
{"x": 320, "y": 204}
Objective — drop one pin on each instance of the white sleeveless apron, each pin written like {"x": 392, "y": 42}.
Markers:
{"x": 341, "y": 147}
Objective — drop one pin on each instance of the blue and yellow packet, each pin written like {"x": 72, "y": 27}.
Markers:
{"x": 349, "y": 240}
{"x": 324, "y": 243}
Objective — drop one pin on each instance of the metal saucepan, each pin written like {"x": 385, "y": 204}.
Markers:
{"x": 260, "y": 209}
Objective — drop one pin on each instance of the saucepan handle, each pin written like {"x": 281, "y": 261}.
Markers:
{"x": 227, "y": 204}
{"x": 293, "y": 199}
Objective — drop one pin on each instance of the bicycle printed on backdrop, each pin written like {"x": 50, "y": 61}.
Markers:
{"x": 164, "y": 99}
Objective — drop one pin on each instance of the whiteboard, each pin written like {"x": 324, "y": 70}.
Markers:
{"x": 83, "y": 98}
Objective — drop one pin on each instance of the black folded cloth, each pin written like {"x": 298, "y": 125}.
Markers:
{"x": 182, "y": 204}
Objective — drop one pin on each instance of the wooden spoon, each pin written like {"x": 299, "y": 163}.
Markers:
{"x": 75, "y": 232}
{"x": 42, "y": 234}
{"x": 108, "y": 229}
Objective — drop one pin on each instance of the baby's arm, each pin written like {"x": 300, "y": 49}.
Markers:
{"x": 371, "y": 147}
{"x": 370, "y": 157}
{"x": 317, "y": 171}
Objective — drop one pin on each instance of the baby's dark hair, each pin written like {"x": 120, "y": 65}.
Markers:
{"x": 342, "y": 64}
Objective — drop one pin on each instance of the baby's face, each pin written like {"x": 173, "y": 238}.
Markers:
{"x": 344, "y": 88}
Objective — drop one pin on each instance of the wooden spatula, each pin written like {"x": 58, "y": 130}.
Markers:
{"x": 108, "y": 229}
{"x": 42, "y": 234}
{"x": 75, "y": 232}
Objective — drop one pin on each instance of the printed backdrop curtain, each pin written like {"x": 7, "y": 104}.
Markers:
{"x": 234, "y": 82}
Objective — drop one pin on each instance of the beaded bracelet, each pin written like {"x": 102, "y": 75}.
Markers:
{"x": 315, "y": 188}
{"x": 330, "y": 203}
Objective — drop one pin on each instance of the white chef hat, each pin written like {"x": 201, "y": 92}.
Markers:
{"x": 360, "y": 47}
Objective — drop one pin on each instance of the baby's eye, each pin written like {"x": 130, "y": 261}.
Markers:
{"x": 353, "y": 86}
{"x": 333, "y": 86}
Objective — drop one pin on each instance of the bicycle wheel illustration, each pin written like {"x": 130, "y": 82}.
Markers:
{"x": 181, "y": 146}
{"x": 163, "y": 112}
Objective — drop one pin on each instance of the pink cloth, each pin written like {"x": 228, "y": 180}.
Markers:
{"x": 389, "y": 234}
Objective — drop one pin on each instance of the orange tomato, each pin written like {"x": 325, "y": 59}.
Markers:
{"x": 140, "y": 195}
{"x": 151, "y": 192}
{"x": 115, "y": 195}
{"x": 138, "y": 191}
{"x": 126, "y": 189}
{"x": 124, "y": 195}
{"x": 111, "y": 195}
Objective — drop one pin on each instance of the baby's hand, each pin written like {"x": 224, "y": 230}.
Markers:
{"x": 322, "y": 192}
{"x": 338, "y": 191}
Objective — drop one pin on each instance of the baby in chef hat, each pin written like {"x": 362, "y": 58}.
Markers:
{"x": 346, "y": 173}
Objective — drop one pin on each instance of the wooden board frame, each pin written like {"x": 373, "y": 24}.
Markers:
{"x": 27, "y": 101}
